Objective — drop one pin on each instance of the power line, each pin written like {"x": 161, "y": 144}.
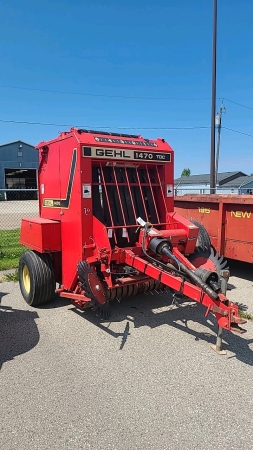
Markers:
{"x": 103, "y": 95}
{"x": 100, "y": 127}
{"x": 237, "y": 131}
{"x": 49, "y": 124}
{"x": 239, "y": 104}
{"x": 131, "y": 97}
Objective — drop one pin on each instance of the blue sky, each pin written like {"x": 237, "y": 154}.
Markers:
{"x": 158, "y": 51}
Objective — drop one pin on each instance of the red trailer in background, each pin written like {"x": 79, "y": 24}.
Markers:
{"x": 227, "y": 218}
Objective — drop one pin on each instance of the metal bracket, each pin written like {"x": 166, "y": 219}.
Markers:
{"x": 224, "y": 277}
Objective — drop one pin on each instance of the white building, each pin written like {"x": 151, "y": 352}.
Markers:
{"x": 200, "y": 184}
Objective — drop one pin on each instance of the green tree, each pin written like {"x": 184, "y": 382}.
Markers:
{"x": 186, "y": 173}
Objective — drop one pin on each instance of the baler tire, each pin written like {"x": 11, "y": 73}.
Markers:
{"x": 203, "y": 239}
{"x": 36, "y": 278}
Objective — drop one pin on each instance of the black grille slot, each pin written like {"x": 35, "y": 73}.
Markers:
{"x": 121, "y": 195}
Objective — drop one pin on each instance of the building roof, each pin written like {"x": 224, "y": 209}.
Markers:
{"x": 15, "y": 142}
{"x": 205, "y": 178}
{"x": 239, "y": 182}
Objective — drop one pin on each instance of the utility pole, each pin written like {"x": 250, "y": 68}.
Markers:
{"x": 212, "y": 156}
{"x": 218, "y": 124}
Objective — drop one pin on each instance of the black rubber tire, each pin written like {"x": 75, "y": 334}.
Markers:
{"x": 203, "y": 240}
{"x": 36, "y": 278}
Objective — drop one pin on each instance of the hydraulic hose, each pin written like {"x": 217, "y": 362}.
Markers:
{"x": 161, "y": 246}
{"x": 154, "y": 261}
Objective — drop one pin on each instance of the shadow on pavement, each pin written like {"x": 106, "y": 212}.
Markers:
{"x": 57, "y": 302}
{"x": 241, "y": 269}
{"x": 18, "y": 332}
{"x": 158, "y": 310}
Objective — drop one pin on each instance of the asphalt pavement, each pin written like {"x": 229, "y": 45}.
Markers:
{"x": 145, "y": 380}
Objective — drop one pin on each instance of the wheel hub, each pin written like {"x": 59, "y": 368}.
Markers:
{"x": 26, "y": 279}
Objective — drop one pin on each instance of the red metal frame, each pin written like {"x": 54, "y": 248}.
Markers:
{"x": 227, "y": 315}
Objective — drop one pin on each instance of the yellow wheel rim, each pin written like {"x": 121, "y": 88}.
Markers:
{"x": 26, "y": 279}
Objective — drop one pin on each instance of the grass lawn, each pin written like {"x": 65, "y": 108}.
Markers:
{"x": 10, "y": 249}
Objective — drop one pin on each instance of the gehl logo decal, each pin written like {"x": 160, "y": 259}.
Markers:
{"x": 117, "y": 153}
{"x": 64, "y": 202}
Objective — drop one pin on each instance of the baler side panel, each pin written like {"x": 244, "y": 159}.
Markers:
{"x": 61, "y": 200}
{"x": 72, "y": 217}
{"x": 49, "y": 182}
{"x": 84, "y": 196}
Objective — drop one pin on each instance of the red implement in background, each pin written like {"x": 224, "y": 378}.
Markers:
{"x": 227, "y": 218}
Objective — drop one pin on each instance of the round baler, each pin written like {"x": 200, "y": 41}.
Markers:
{"x": 107, "y": 228}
